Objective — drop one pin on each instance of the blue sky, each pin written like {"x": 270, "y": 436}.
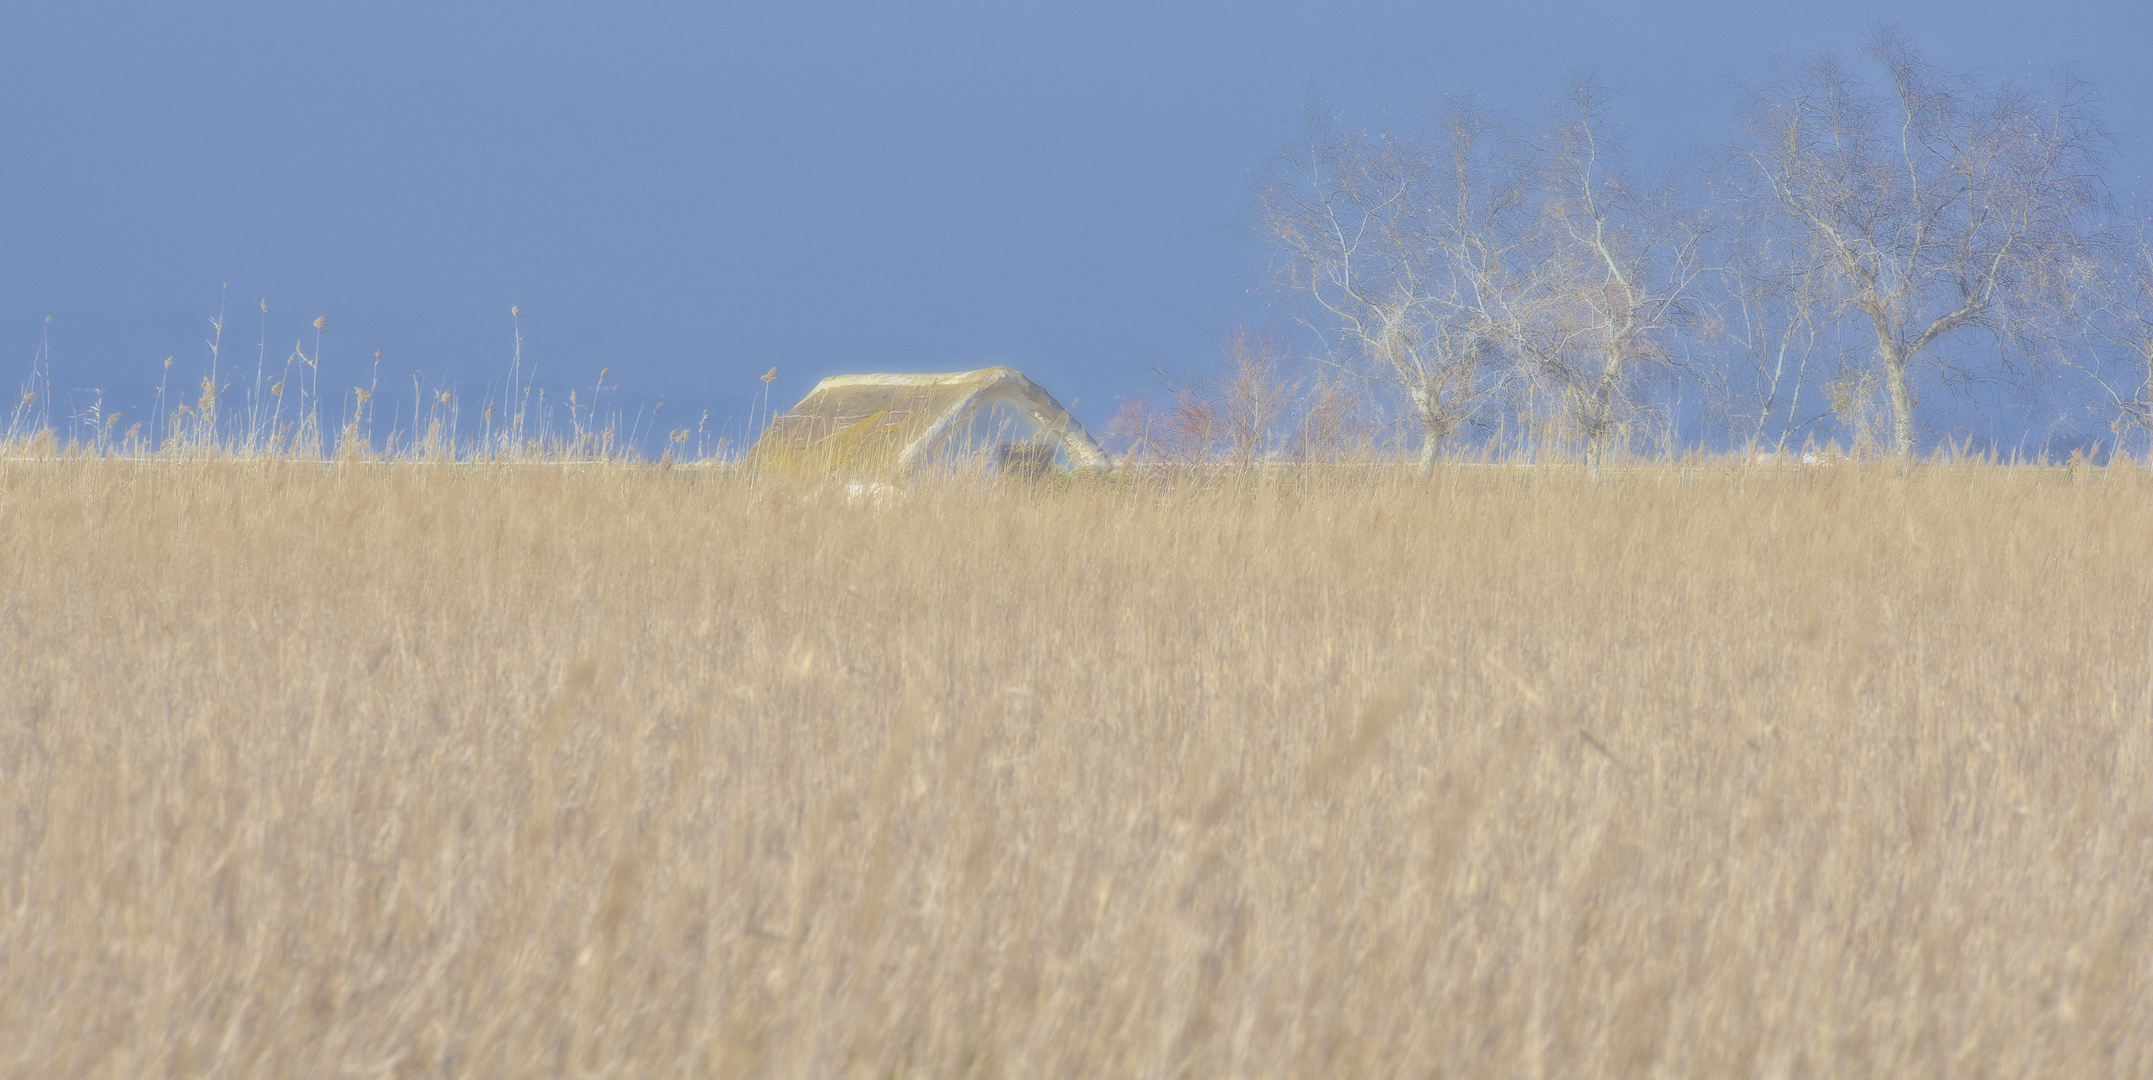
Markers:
{"x": 690, "y": 194}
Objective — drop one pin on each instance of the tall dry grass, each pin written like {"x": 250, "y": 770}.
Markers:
{"x": 369, "y": 769}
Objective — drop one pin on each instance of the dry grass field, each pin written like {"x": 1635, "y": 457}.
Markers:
{"x": 498, "y": 771}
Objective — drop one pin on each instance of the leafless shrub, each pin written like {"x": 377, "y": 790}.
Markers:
{"x": 1235, "y": 418}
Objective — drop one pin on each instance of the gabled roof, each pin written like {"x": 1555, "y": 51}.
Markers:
{"x": 889, "y": 424}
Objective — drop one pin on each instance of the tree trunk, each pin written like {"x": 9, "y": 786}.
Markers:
{"x": 1600, "y": 419}
{"x": 1892, "y": 353}
{"x": 1902, "y": 404}
{"x": 1434, "y": 426}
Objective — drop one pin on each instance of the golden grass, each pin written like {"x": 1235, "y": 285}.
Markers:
{"x": 497, "y": 771}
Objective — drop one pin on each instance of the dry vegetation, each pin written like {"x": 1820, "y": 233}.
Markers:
{"x": 365, "y": 769}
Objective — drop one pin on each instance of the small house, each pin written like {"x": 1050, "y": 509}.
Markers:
{"x": 894, "y": 425}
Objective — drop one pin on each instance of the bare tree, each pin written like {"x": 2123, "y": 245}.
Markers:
{"x": 2116, "y": 353}
{"x": 2133, "y": 328}
{"x": 1935, "y": 204}
{"x": 1395, "y": 240}
{"x": 1769, "y": 321}
{"x": 1610, "y": 281}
